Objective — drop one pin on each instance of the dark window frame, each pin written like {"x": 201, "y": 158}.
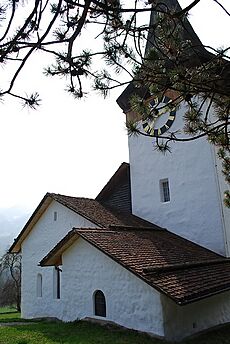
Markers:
{"x": 99, "y": 304}
{"x": 165, "y": 190}
{"x": 55, "y": 215}
{"x": 57, "y": 283}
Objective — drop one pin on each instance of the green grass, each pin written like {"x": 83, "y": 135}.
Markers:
{"x": 70, "y": 333}
{"x": 10, "y": 317}
{"x": 85, "y": 333}
{"x": 7, "y": 310}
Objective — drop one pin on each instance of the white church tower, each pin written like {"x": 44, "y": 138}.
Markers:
{"x": 182, "y": 191}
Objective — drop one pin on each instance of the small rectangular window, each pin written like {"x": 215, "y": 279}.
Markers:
{"x": 164, "y": 190}
{"x": 55, "y": 216}
{"x": 39, "y": 285}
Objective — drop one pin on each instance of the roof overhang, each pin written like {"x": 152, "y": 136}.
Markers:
{"x": 39, "y": 211}
{"x": 54, "y": 257}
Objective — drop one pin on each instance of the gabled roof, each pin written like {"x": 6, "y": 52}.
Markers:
{"x": 184, "y": 271}
{"x": 92, "y": 210}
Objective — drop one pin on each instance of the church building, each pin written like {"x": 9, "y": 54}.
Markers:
{"x": 150, "y": 252}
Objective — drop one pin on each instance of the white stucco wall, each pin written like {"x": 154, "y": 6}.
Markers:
{"x": 194, "y": 210}
{"x": 183, "y": 321}
{"x": 129, "y": 301}
{"x": 223, "y": 186}
{"x": 44, "y": 236}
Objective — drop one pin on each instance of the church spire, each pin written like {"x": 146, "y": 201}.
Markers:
{"x": 197, "y": 50}
{"x": 196, "y": 54}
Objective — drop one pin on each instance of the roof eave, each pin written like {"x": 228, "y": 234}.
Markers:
{"x": 78, "y": 212}
{"x": 180, "y": 302}
{"x": 157, "y": 288}
{"x": 41, "y": 208}
{"x": 54, "y": 257}
{"x": 200, "y": 298}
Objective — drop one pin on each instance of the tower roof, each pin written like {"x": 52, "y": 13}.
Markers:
{"x": 198, "y": 51}
{"x": 197, "y": 54}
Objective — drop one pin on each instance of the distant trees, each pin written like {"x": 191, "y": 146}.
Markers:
{"x": 10, "y": 280}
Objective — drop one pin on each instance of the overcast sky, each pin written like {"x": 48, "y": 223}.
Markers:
{"x": 69, "y": 146}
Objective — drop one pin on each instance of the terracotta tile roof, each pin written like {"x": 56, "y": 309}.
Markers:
{"x": 182, "y": 270}
{"x": 92, "y": 210}
{"x": 194, "y": 283}
{"x": 101, "y": 215}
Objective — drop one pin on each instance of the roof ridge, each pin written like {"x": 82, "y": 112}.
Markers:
{"x": 53, "y": 194}
{"x": 114, "y": 229}
{"x": 130, "y": 228}
{"x": 96, "y": 230}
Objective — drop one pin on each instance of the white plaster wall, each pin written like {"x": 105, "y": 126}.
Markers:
{"x": 183, "y": 321}
{"x": 223, "y": 186}
{"x": 194, "y": 210}
{"x": 44, "y": 236}
{"x": 129, "y": 301}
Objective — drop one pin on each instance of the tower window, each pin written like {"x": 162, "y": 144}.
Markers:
{"x": 164, "y": 190}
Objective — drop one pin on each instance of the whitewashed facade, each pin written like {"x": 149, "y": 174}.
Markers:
{"x": 130, "y": 302}
{"x": 184, "y": 321}
{"x": 192, "y": 208}
{"x": 45, "y": 234}
{"x": 195, "y": 210}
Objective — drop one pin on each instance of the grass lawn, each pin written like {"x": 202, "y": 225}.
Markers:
{"x": 86, "y": 333}
{"x": 10, "y": 316}
{"x": 70, "y": 333}
{"x": 8, "y": 310}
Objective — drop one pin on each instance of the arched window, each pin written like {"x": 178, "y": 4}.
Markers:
{"x": 39, "y": 285}
{"x": 99, "y": 304}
